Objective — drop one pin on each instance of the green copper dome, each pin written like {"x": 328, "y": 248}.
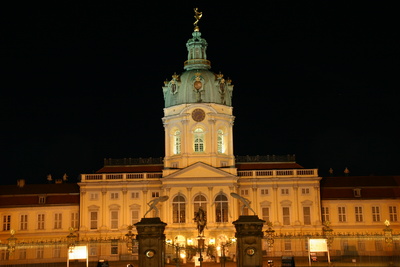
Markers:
{"x": 197, "y": 84}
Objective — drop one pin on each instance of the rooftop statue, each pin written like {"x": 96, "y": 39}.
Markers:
{"x": 197, "y": 16}
{"x": 153, "y": 205}
{"x": 245, "y": 201}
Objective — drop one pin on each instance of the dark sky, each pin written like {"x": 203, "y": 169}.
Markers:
{"x": 81, "y": 81}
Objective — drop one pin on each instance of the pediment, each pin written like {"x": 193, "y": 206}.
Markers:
{"x": 200, "y": 170}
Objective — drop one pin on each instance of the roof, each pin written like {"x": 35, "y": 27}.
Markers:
{"x": 131, "y": 168}
{"x": 28, "y": 189}
{"x": 371, "y": 187}
{"x": 267, "y": 166}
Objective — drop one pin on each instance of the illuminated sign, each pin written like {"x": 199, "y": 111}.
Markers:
{"x": 79, "y": 252}
{"x": 318, "y": 245}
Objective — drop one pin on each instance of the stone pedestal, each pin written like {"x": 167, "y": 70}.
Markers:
{"x": 151, "y": 240}
{"x": 249, "y": 235}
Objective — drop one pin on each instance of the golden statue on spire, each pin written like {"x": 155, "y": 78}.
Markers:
{"x": 197, "y": 16}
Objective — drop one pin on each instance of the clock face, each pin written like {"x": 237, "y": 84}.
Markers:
{"x": 197, "y": 85}
{"x": 198, "y": 114}
{"x": 250, "y": 251}
{"x": 150, "y": 253}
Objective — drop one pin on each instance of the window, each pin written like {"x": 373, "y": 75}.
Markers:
{"x": 114, "y": 195}
{"x": 6, "y": 222}
{"x": 288, "y": 244}
{"x": 378, "y": 246}
{"x": 40, "y": 222}
{"x": 179, "y": 209}
{"x": 114, "y": 246}
{"x": 307, "y": 215}
{"x": 135, "y": 195}
{"x": 93, "y": 250}
{"x": 93, "y": 215}
{"x": 75, "y": 220}
{"x": 22, "y": 253}
{"x": 376, "y": 216}
{"x": 135, "y": 215}
{"x": 198, "y": 140}
{"x": 39, "y": 252}
{"x": 244, "y": 192}
{"x": 305, "y": 191}
{"x": 342, "y": 214}
{"x": 265, "y": 214}
{"x": 325, "y": 214}
{"x": 177, "y": 142}
{"x": 23, "y": 222}
{"x": 94, "y": 196}
{"x": 42, "y": 199}
{"x": 361, "y": 245}
{"x": 114, "y": 214}
{"x": 357, "y": 192}
{"x": 200, "y": 201}
{"x": 220, "y": 141}
{"x": 264, "y": 191}
{"x": 221, "y": 208}
{"x": 393, "y": 213}
{"x": 57, "y": 220}
{"x": 285, "y": 191}
{"x": 359, "y": 214}
{"x": 286, "y": 215}
{"x": 56, "y": 252}
{"x": 155, "y": 194}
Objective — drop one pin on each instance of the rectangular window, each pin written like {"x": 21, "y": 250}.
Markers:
{"x": 378, "y": 246}
{"x": 114, "y": 219}
{"x": 75, "y": 220}
{"x": 42, "y": 199}
{"x": 135, "y": 195}
{"x": 286, "y": 215}
{"x": 114, "y": 246}
{"x": 6, "y": 222}
{"x": 361, "y": 245}
{"x": 93, "y": 219}
{"x": 155, "y": 194}
{"x": 265, "y": 214}
{"x": 135, "y": 216}
{"x": 39, "y": 253}
{"x": 307, "y": 215}
{"x": 22, "y": 254}
{"x": 244, "y": 192}
{"x": 376, "y": 216}
{"x": 114, "y": 195}
{"x": 94, "y": 196}
{"x": 57, "y": 252}
{"x": 264, "y": 191}
{"x": 288, "y": 245}
{"x": 93, "y": 250}
{"x": 23, "y": 222}
{"x": 393, "y": 213}
{"x": 325, "y": 214}
{"x": 285, "y": 191}
{"x": 305, "y": 191}
{"x": 40, "y": 222}
{"x": 357, "y": 192}
{"x": 57, "y": 221}
{"x": 359, "y": 214}
{"x": 342, "y": 214}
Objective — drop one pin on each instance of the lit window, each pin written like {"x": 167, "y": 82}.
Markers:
{"x": 179, "y": 209}
{"x": 221, "y": 208}
{"x": 198, "y": 140}
{"x": 220, "y": 141}
{"x": 177, "y": 142}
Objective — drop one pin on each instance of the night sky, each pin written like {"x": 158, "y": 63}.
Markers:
{"x": 82, "y": 81}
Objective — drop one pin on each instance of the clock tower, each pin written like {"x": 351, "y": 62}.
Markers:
{"x": 198, "y": 116}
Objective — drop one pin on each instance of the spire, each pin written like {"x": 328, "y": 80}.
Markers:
{"x": 196, "y": 46}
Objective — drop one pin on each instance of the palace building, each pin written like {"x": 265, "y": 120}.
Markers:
{"x": 200, "y": 169}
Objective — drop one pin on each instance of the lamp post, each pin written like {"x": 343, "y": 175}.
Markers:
{"x": 388, "y": 233}
{"x": 270, "y": 236}
{"x": 71, "y": 239}
{"x": 327, "y": 232}
{"x": 130, "y": 238}
{"x": 12, "y": 241}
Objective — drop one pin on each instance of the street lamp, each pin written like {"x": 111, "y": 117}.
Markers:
{"x": 12, "y": 241}
{"x": 71, "y": 240}
{"x": 130, "y": 238}
{"x": 327, "y": 232}
{"x": 388, "y": 233}
{"x": 270, "y": 236}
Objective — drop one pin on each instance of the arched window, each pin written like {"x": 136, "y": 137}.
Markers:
{"x": 179, "y": 209}
{"x": 221, "y": 208}
{"x": 198, "y": 140}
{"x": 177, "y": 142}
{"x": 220, "y": 141}
{"x": 200, "y": 201}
